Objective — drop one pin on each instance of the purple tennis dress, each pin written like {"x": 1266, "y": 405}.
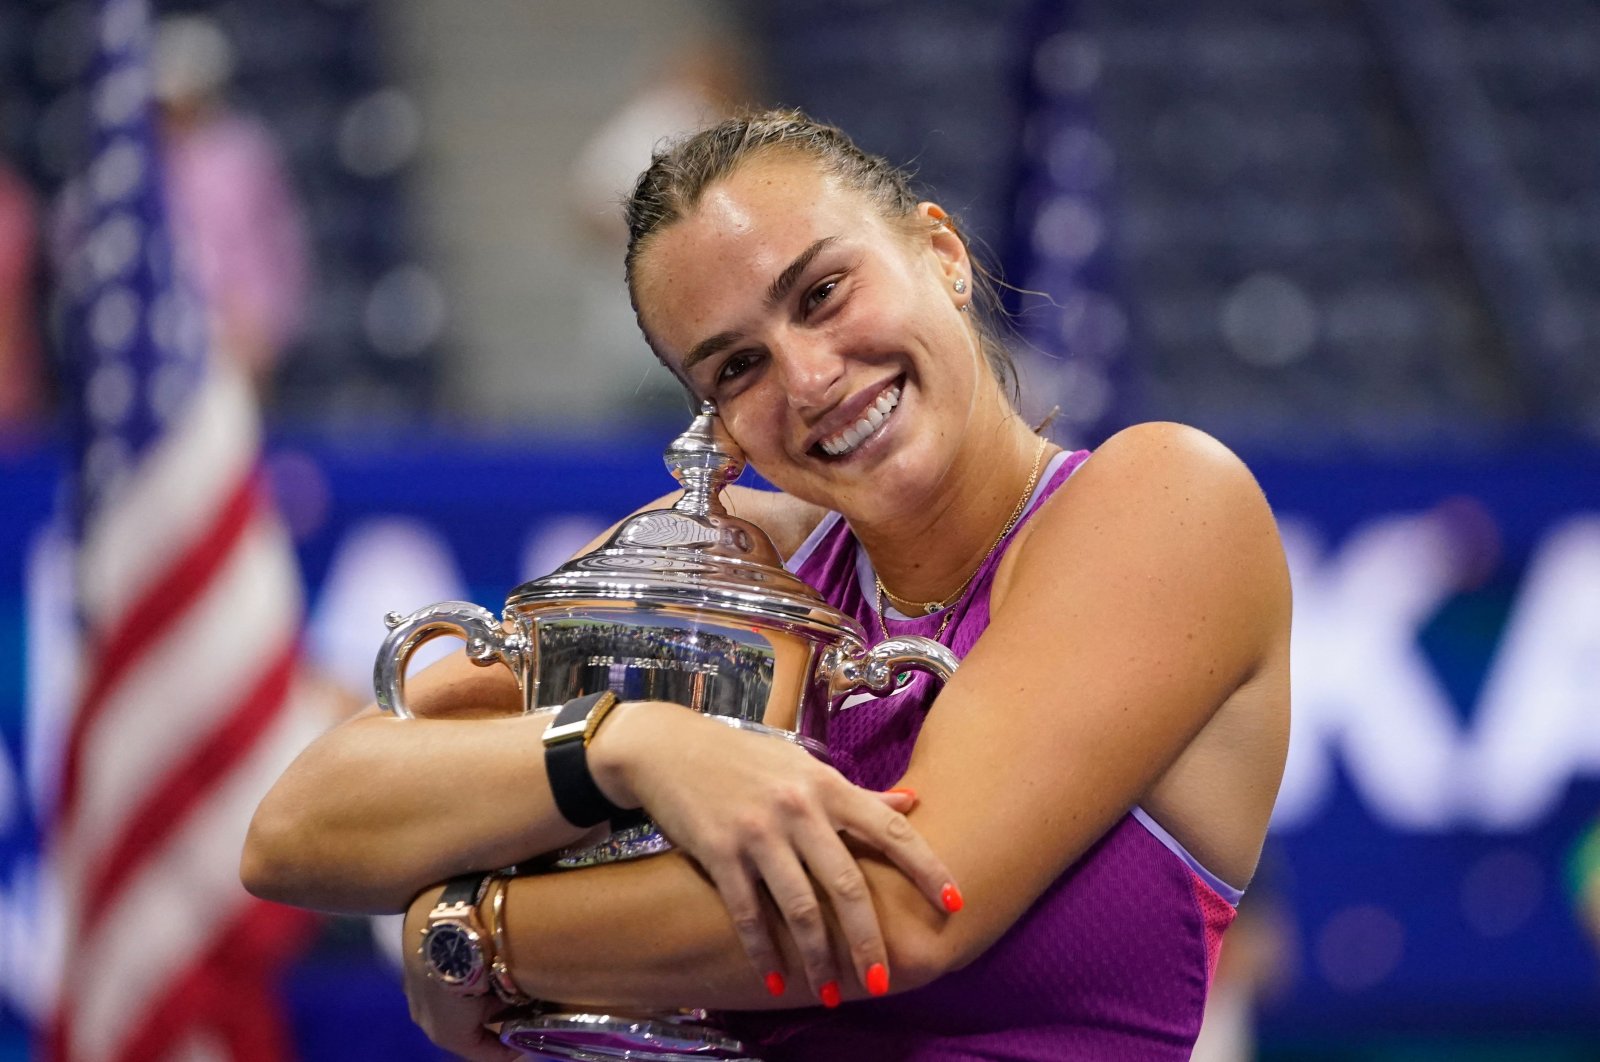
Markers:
{"x": 1112, "y": 962}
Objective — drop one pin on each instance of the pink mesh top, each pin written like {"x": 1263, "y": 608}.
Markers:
{"x": 1112, "y": 962}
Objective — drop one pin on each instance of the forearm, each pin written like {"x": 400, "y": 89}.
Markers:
{"x": 654, "y": 934}
{"x": 380, "y": 808}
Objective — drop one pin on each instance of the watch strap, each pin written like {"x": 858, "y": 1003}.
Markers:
{"x": 566, "y": 760}
{"x": 463, "y": 889}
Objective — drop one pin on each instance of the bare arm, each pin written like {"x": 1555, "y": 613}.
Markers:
{"x": 377, "y": 809}
{"x": 374, "y": 810}
{"x": 1155, "y": 582}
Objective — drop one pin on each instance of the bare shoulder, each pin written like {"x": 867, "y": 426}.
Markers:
{"x": 1165, "y": 450}
{"x": 1165, "y": 475}
{"x": 786, "y": 519}
{"x": 1159, "y": 505}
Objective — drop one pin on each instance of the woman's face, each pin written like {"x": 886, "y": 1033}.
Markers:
{"x": 831, "y": 341}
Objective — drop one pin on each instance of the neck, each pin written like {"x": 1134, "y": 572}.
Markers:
{"x": 927, "y": 555}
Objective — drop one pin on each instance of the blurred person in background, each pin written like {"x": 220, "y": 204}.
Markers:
{"x": 233, "y": 207}
{"x": 699, "y": 84}
{"x": 23, "y": 392}
{"x": 1090, "y": 791}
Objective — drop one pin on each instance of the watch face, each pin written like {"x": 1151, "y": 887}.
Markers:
{"x": 452, "y": 953}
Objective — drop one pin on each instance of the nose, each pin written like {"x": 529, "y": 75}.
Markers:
{"x": 812, "y": 371}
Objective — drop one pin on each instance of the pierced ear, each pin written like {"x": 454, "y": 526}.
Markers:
{"x": 946, "y": 241}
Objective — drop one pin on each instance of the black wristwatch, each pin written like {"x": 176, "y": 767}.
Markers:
{"x": 453, "y": 942}
{"x": 566, "y": 760}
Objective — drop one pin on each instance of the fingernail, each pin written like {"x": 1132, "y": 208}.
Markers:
{"x": 906, "y": 791}
{"x": 878, "y": 979}
{"x": 950, "y": 896}
{"x": 775, "y": 983}
{"x": 829, "y": 994}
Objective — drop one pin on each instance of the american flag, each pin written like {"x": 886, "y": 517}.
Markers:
{"x": 189, "y": 602}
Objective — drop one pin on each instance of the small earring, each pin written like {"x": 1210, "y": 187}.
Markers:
{"x": 961, "y": 285}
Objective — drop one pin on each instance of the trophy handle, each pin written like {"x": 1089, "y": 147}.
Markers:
{"x": 487, "y": 642}
{"x": 877, "y": 668}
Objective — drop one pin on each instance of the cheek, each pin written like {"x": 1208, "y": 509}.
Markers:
{"x": 750, "y": 426}
{"x": 902, "y": 316}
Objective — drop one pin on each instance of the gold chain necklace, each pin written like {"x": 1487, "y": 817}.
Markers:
{"x": 947, "y": 605}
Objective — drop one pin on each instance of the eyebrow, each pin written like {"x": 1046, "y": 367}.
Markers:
{"x": 708, "y": 347}
{"x": 777, "y": 291}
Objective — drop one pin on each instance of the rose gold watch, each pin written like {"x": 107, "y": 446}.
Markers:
{"x": 453, "y": 942}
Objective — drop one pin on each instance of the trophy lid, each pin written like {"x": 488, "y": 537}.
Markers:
{"x": 694, "y": 555}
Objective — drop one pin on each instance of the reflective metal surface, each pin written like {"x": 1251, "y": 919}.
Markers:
{"x": 722, "y": 671}
{"x": 687, "y": 604}
{"x": 656, "y": 1038}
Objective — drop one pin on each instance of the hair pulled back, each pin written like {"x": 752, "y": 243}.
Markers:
{"x": 680, "y": 174}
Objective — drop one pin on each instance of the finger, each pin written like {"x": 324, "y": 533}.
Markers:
{"x": 457, "y": 1025}
{"x": 484, "y": 1048}
{"x": 489, "y": 1048}
{"x": 891, "y": 833}
{"x": 750, "y": 923}
{"x": 792, "y": 890}
{"x": 470, "y": 1041}
{"x": 901, "y": 798}
{"x": 839, "y": 873}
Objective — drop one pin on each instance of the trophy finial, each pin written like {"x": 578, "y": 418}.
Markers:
{"x": 704, "y": 459}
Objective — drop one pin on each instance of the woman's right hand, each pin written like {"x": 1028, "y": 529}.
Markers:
{"x": 754, "y": 810}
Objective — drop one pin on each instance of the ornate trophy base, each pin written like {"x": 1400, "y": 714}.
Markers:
{"x": 579, "y": 1037}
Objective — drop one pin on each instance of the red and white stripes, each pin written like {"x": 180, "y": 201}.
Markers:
{"x": 188, "y": 713}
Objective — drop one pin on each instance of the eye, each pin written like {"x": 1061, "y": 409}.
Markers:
{"x": 736, "y": 366}
{"x": 820, "y": 294}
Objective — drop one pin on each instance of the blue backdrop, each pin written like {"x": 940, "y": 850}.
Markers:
{"x": 1447, "y": 727}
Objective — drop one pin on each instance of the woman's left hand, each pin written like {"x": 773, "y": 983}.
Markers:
{"x": 459, "y": 1024}
{"x": 764, "y": 816}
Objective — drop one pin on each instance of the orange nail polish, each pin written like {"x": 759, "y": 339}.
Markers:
{"x": 878, "y": 979}
{"x": 950, "y": 896}
{"x": 829, "y": 994}
{"x": 905, "y": 790}
{"x": 775, "y": 983}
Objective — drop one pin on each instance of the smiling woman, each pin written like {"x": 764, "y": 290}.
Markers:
{"x": 845, "y": 317}
{"x": 1097, "y": 776}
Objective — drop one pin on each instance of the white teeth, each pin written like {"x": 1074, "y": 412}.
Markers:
{"x": 855, "y": 434}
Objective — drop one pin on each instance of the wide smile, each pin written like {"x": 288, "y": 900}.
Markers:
{"x": 869, "y": 424}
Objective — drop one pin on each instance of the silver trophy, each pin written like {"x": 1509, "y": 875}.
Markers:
{"x": 691, "y": 605}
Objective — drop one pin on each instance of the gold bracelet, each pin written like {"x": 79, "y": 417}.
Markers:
{"x": 597, "y": 715}
{"x": 500, "y": 979}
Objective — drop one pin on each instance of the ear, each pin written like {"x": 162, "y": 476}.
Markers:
{"x": 949, "y": 249}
